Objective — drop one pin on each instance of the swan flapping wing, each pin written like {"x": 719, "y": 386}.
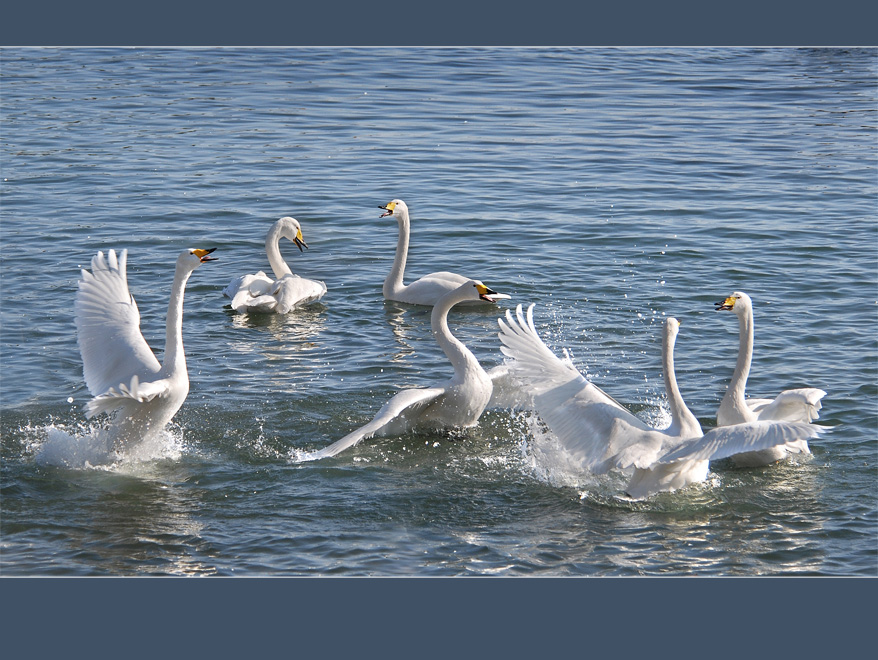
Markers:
{"x": 799, "y": 405}
{"x": 108, "y": 326}
{"x": 116, "y": 396}
{"x": 395, "y": 417}
{"x": 724, "y": 441}
{"x": 592, "y": 426}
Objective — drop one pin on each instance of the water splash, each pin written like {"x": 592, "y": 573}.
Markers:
{"x": 88, "y": 446}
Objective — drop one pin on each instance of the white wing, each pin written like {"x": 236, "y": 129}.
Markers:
{"x": 108, "y": 327}
{"x": 257, "y": 284}
{"x": 724, "y": 441}
{"x": 118, "y": 395}
{"x": 508, "y": 391}
{"x": 591, "y": 425}
{"x": 800, "y": 405}
{"x": 396, "y": 417}
{"x": 292, "y": 290}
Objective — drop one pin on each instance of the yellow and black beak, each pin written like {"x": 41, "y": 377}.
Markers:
{"x": 300, "y": 241}
{"x": 728, "y": 303}
{"x": 202, "y": 254}
{"x": 489, "y": 295}
{"x": 388, "y": 208}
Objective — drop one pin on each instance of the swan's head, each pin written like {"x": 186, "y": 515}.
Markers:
{"x": 193, "y": 258}
{"x": 292, "y": 230}
{"x": 481, "y": 292}
{"x": 738, "y": 302}
{"x": 395, "y": 208}
{"x": 672, "y": 326}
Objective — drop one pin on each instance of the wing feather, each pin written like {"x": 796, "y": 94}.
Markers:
{"x": 395, "y": 417}
{"x": 724, "y": 441}
{"x": 108, "y": 326}
{"x": 591, "y": 425}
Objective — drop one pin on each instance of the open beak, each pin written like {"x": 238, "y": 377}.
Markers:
{"x": 388, "y": 209}
{"x": 728, "y": 303}
{"x": 202, "y": 254}
{"x": 489, "y": 294}
{"x": 300, "y": 241}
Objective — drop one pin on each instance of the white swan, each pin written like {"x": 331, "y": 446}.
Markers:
{"x": 457, "y": 403}
{"x": 261, "y": 294}
{"x": 602, "y": 435}
{"x": 120, "y": 369}
{"x": 428, "y": 289}
{"x": 797, "y": 405}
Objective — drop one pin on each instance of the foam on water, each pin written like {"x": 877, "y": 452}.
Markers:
{"x": 87, "y": 447}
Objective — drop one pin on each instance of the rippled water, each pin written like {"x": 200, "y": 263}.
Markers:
{"x": 612, "y": 187}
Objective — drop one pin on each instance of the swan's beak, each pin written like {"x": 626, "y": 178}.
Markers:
{"x": 388, "y": 208}
{"x": 202, "y": 254}
{"x": 489, "y": 294}
{"x": 728, "y": 303}
{"x": 300, "y": 241}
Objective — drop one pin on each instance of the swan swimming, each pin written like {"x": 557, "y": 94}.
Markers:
{"x": 259, "y": 293}
{"x": 458, "y": 403}
{"x": 426, "y": 290}
{"x": 602, "y": 435}
{"x": 120, "y": 369}
{"x": 797, "y": 405}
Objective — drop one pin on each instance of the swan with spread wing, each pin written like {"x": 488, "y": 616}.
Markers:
{"x": 602, "y": 435}
{"x": 120, "y": 369}
{"x": 457, "y": 403}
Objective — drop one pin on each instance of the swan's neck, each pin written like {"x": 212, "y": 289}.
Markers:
{"x": 683, "y": 422}
{"x": 272, "y": 249}
{"x": 174, "y": 360}
{"x": 734, "y": 395}
{"x": 393, "y": 282}
{"x": 461, "y": 358}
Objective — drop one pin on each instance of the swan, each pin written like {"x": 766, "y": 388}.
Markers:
{"x": 797, "y": 405}
{"x": 428, "y": 289}
{"x": 602, "y": 435}
{"x": 259, "y": 293}
{"x": 120, "y": 369}
{"x": 458, "y": 403}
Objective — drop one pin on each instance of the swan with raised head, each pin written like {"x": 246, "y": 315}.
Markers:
{"x": 457, "y": 403}
{"x": 601, "y": 435}
{"x": 426, "y": 290}
{"x": 261, "y": 294}
{"x": 120, "y": 369}
{"x": 796, "y": 405}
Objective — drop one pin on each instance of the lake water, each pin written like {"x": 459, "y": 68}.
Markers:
{"x": 611, "y": 187}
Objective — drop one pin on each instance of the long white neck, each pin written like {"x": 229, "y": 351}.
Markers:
{"x": 272, "y": 249}
{"x": 393, "y": 281}
{"x": 461, "y": 358}
{"x": 683, "y": 421}
{"x": 734, "y": 396}
{"x": 174, "y": 360}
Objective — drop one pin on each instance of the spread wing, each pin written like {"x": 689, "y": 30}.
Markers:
{"x": 397, "y": 416}
{"x": 590, "y": 424}
{"x": 108, "y": 327}
{"x": 799, "y": 405}
{"x": 508, "y": 391}
{"x": 724, "y": 441}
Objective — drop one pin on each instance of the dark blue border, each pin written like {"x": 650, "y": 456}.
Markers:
{"x": 450, "y": 23}
{"x": 474, "y": 616}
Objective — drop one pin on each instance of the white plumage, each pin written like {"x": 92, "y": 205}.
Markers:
{"x": 458, "y": 403}
{"x": 795, "y": 405}
{"x": 426, "y": 290}
{"x": 601, "y": 435}
{"x": 258, "y": 293}
{"x": 120, "y": 369}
